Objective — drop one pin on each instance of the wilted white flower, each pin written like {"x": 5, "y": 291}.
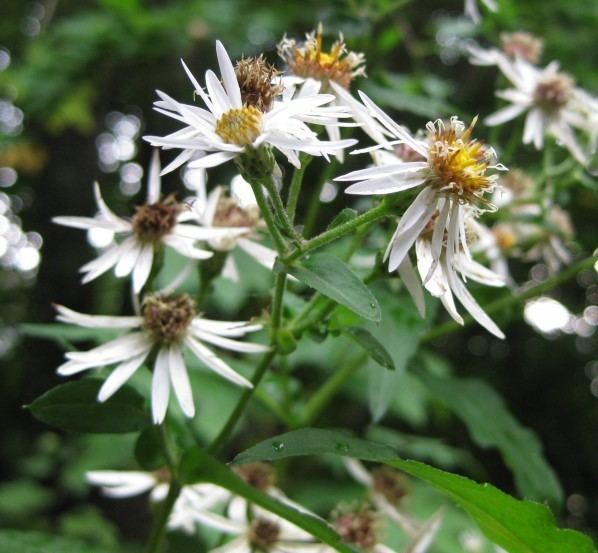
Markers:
{"x": 231, "y": 127}
{"x": 254, "y": 529}
{"x": 451, "y": 169}
{"x": 472, "y": 11}
{"x": 554, "y": 105}
{"x": 240, "y": 213}
{"x": 158, "y": 223}
{"x": 166, "y": 325}
{"x": 387, "y": 488}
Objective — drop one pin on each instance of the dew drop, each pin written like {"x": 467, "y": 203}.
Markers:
{"x": 373, "y": 305}
{"x": 341, "y": 447}
{"x": 277, "y": 446}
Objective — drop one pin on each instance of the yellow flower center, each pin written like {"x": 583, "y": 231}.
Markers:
{"x": 240, "y": 126}
{"x": 459, "y": 163}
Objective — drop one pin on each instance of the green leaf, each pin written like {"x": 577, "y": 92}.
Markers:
{"x": 313, "y": 441}
{"x": 399, "y": 318}
{"x": 330, "y": 276}
{"x": 148, "y": 448}
{"x": 74, "y": 407}
{"x": 199, "y": 466}
{"x": 492, "y": 425}
{"x": 371, "y": 345}
{"x": 515, "y": 525}
{"x": 15, "y": 541}
{"x": 346, "y": 215}
{"x": 61, "y": 332}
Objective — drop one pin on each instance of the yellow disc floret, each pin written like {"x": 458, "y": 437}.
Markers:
{"x": 240, "y": 126}
{"x": 458, "y": 163}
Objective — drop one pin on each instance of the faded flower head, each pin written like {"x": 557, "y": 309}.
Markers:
{"x": 310, "y": 60}
{"x": 167, "y": 318}
{"x": 152, "y": 222}
{"x": 229, "y": 213}
{"x": 263, "y": 534}
{"x": 256, "y": 78}
{"x": 390, "y": 483}
{"x": 257, "y": 475}
{"x": 523, "y": 45}
{"x": 357, "y": 524}
{"x": 553, "y": 92}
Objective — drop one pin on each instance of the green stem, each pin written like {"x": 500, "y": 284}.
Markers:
{"x": 295, "y": 187}
{"x": 158, "y": 531}
{"x": 501, "y": 303}
{"x": 381, "y": 210}
{"x": 260, "y": 371}
{"x": 328, "y": 390}
{"x": 260, "y": 198}
{"x": 280, "y": 212}
{"x": 234, "y": 417}
{"x": 314, "y": 204}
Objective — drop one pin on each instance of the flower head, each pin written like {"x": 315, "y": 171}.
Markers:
{"x": 167, "y": 325}
{"x": 309, "y": 60}
{"x": 523, "y": 45}
{"x": 553, "y": 104}
{"x": 259, "y": 83}
{"x": 242, "y": 117}
{"x": 157, "y": 223}
{"x": 455, "y": 173}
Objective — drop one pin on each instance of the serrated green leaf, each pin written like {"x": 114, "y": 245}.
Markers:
{"x": 74, "y": 406}
{"x": 330, "y": 276}
{"x": 16, "y": 541}
{"x": 516, "y": 525}
{"x": 492, "y": 425}
{"x": 199, "y": 466}
{"x": 371, "y": 345}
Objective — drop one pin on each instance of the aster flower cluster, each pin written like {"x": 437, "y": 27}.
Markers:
{"x": 429, "y": 192}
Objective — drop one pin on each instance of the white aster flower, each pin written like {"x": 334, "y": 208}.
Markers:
{"x": 167, "y": 326}
{"x": 240, "y": 213}
{"x": 156, "y": 224}
{"x": 554, "y": 106}
{"x": 519, "y": 44}
{"x": 472, "y": 11}
{"x": 451, "y": 169}
{"x": 232, "y": 126}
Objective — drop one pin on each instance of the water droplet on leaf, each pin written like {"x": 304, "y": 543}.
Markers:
{"x": 277, "y": 446}
{"x": 341, "y": 447}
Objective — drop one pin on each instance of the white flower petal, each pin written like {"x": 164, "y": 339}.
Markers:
{"x": 120, "y": 375}
{"x": 67, "y": 315}
{"x": 216, "y": 364}
{"x": 413, "y": 285}
{"x": 160, "y": 386}
{"x": 227, "y": 343}
{"x": 180, "y": 381}
{"x": 229, "y": 77}
{"x": 143, "y": 267}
